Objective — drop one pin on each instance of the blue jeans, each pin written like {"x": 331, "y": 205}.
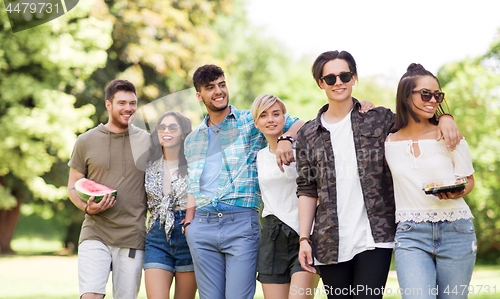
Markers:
{"x": 224, "y": 247}
{"x": 435, "y": 259}
{"x": 173, "y": 254}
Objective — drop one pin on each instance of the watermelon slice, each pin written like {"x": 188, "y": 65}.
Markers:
{"x": 87, "y": 188}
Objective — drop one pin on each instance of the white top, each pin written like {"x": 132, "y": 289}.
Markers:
{"x": 169, "y": 172}
{"x": 410, "y": 174}
{"x": 278, "y": 189}
{"x": 355, "y": 234}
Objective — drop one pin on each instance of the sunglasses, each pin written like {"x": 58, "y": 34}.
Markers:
{"x": 331, "y": 79}
{"x": 427, "y": 95}
{"x": 171, "y": 128}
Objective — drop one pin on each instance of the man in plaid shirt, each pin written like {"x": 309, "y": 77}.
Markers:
{"x": 221, "y": 152}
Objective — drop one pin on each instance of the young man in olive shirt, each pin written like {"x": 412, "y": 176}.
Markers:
{"x": 113, "y": 232}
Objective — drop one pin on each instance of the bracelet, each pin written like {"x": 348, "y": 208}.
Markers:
{"x": 86, "y": 212}
{"x": 305, "y": 238}
{"x": 446, "y": 114}
{"x": 289, "y": 138}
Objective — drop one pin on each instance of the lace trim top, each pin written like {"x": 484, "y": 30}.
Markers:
{"x": 434, "y": 164}
{"x": 416, "y": 216}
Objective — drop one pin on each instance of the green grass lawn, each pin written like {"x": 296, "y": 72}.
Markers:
{"x": 56, "y": 277}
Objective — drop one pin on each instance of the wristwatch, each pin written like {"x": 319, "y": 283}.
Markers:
{"x": 184, "y": 227}
{"x": 285, "y": 137}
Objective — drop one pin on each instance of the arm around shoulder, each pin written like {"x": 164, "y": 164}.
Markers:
{"x": 294, "y": 128}
{"x": 448, "y": 129}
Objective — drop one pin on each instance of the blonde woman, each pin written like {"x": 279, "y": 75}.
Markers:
{"x": 278, "y": 266}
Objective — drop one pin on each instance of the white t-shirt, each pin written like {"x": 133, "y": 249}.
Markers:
{"x": 169, "y": 172}
{"x": 436, "y": 163}
{"x": 278, "y": 189}
{"x": 355, "y": 235}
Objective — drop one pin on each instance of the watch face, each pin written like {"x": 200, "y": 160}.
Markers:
{"x": 184, "y": 227}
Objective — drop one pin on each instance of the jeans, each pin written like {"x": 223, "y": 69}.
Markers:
{"x": 224, "y": 248}
{"x": 435, "y": 259}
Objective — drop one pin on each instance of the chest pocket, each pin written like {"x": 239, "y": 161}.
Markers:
{"x": 371, "y": 132}
{"x": 371, "y": 146}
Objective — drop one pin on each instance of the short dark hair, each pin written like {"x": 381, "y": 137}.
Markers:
{"x": 323, "y": 58}
{"x": 119, "y": 85}
{"x": 405, "y": 88}
{"x": 206, "y": 74}
{"x": 157, "y": 149}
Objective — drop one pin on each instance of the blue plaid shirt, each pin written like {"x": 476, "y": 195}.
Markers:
{"x": 240, "y": 143}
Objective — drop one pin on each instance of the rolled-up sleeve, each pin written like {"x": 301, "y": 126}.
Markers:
{"x": 289, "y": 121}
{"x": 306, "y": 180}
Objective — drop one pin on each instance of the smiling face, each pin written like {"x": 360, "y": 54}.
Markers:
{"x": 168, "y": 138}
{"x": 214, "y": 95}
{"x": 340, "y": 91}
{"x": 271, "y": 121}
{"x": 424, "y": 110}
{"x": 122, "y": 109}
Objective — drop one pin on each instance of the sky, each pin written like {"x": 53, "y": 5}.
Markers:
{"x": 384, "y": 36}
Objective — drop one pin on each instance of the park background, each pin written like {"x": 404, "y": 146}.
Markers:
{"x": 53, "y": 77}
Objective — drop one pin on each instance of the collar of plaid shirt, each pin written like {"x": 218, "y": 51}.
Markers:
{"x": 240, "y": 142}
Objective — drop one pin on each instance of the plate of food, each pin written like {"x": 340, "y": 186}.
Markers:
{"x": 458, "y": 184}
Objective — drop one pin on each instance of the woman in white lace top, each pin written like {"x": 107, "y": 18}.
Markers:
{"x": 435, "y": 240}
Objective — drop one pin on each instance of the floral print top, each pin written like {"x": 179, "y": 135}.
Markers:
{"x": 159, "y": 205}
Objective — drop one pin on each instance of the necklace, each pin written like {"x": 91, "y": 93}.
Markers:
{"x": 213, "y": 125}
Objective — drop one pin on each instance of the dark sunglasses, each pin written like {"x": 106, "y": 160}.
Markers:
{"x": 171, "y": 128}
{"x": 331, "y": 79}
{"x": 427, "y": 95}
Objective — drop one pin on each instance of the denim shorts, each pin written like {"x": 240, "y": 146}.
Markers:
{"x": 278, "y": 252}
{"x": 173, "y": 254}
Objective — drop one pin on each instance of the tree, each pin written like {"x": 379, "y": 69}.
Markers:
{"x": 257, "y": 64}
{"x": 472, "y": 88}
{"x": 40, "y": 70}
{"x": 156, "y": 45}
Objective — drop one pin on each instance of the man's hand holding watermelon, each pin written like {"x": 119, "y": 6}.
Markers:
{"x": 106, "y": 202}
{"x": 85, "y": 200}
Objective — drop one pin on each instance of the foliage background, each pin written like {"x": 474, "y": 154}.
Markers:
{"x": 52, "y": 81}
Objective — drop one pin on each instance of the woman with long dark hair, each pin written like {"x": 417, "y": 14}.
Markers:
{"x": 435, "y": 239}
{"x": 167, "y": 253}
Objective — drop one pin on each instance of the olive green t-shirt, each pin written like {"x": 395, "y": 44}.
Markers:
{"x": 114, "y": 160}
